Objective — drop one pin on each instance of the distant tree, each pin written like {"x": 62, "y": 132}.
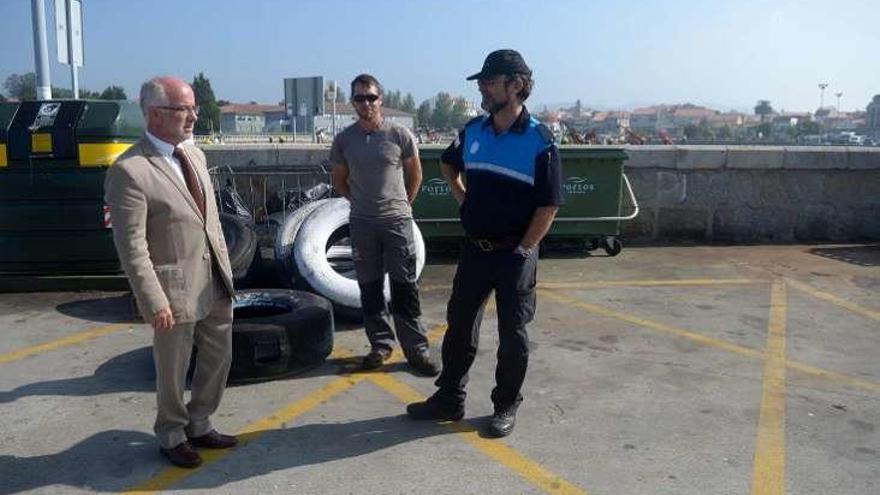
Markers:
{"x": 442, "y": 115}
{"x": 113, "y": 93}
{"x": 409, "y": 104}
{"x": 392, "y": 99}
{"x": 423, "y": 114}
{"x": 763, "y": 109}
{"x": 764, "y": 130}
{"x": 209, "y": 113}
{"x": 21, "y": 86}
{"x": 223, "y": 103}
{"x": 725, "y": 132}
{"x": 808, "y": 127}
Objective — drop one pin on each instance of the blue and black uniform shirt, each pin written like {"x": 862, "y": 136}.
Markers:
{"x": 507, "y": 175}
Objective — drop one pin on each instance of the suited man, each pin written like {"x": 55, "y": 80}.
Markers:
{"x": 167, "y": 233}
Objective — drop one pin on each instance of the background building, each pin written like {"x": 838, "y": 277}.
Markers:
{"x": 249, "y": 118}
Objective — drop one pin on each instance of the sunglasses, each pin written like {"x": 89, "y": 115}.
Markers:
{"x": 363, "y": 98}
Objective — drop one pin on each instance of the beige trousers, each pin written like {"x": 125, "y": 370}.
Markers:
{"x": 212, "y": 336}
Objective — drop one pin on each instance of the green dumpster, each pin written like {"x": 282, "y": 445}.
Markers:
{"x": 593, "y": 187}
{"x": 54, "y": 156}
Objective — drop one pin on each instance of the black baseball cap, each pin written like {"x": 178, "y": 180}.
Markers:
{"x": 500, "y": 62}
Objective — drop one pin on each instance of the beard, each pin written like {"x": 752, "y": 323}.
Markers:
{"x": 493, "y": 106}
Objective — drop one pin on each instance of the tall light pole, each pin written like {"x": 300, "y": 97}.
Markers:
{"x": 822, "y": 87}
{"x": 41, "y": 51}
{"x": 838, "y": 95}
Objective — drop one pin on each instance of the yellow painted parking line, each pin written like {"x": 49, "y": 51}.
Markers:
{"x": 529, "y": 470}
{"x": 696, "y": 337}
{"x": 855, "y": 308}
{"x": 600, "y": 284}
{"x": 711, "y": 341}
{"x": 170, "y": 476}
{"x": 73, "y": 339}
{"x": 769, "y": 469}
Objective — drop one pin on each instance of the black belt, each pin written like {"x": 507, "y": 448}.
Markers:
{"x": 495, "y": 244}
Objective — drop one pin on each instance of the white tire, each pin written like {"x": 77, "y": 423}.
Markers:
{"x": 311, "y": 254}
{"x": 285, "y": 237}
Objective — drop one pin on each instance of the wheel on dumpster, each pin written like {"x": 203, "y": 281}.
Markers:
{"x": 612, "y": 245}
{"x": 278, "y": 333}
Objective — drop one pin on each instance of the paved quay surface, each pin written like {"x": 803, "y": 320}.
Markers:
{"x": 664, "y": 370}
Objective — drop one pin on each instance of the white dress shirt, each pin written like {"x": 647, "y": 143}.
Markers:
{"x": 167, "y": 152}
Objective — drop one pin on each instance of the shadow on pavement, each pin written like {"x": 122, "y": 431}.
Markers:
{"x": 114, "y": 460}
{"x": 856, "y": 255}
{"x": 116, "y": 309}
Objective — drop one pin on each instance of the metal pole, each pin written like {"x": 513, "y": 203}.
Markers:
{"x": 73, "y": 74}
{"x": 41, "y": 51}
{"x": 335, "y": 90}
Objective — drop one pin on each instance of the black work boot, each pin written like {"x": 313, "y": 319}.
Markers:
{"x": 503, "y": 421}
{"x": 375, "y": 359}
{"x": 435, "y": 409}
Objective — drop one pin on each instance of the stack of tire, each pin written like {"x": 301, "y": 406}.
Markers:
{"x": 278, "y": 333}
{"x": 313, "y": 252}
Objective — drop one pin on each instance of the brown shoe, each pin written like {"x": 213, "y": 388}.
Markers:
{"x": 183, "y": 456}
{"x": 214, "y": 440}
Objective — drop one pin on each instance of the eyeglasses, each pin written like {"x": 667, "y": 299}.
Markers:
{"x": 194, "y": 109}
{"x": 362, "y": 98}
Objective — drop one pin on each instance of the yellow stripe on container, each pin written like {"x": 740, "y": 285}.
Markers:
{"x": 100, "y": 154}
{"x": 2, "y": 155}
{"x": 41, "y": 143}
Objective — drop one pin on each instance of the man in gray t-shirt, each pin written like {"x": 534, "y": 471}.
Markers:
{"x": 376, "y": 167}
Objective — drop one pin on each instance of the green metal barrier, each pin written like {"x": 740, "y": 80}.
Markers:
{"x": 593, "y": 183}
{"x": 52, "y": 218}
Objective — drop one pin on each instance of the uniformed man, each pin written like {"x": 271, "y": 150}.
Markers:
{"x": 513, "y": 190}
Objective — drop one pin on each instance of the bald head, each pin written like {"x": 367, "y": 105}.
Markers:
{"x": 155, "y": 91}
{"x": 168, "y": 104}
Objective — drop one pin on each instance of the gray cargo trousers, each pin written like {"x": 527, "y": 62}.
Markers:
{"x": 381, "y": 246}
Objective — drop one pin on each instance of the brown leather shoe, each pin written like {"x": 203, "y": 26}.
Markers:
{"x": 183, "y": 456}
{"x": 214, "y": 440}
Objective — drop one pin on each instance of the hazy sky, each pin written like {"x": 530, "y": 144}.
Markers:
{"x": 610, "y": 54}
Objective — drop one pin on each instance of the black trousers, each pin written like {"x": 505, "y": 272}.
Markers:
{"x": 512, "y": 276}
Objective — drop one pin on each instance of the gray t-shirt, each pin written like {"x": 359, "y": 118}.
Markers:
{"x": 375, "y": 165}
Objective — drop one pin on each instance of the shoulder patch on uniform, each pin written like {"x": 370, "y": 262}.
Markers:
{"x": 545, "y": 133}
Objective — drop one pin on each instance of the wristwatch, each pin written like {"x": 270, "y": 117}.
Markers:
{"x": 523, "y": 251}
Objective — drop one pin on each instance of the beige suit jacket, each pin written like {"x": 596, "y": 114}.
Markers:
{"x": 165, "y": 247}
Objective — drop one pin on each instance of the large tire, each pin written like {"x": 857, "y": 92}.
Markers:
{"x": 241, "y": 242}
{"x": 278, "y": 333}
{"x": 285, "y": 237}
{"x": 319, "y": 233}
